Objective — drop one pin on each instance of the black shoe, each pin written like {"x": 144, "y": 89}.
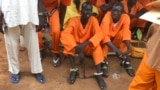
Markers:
{"x": 72, "y": 77}
{"x": 101, "y": 82}
{"x": 39, "y": 77}
{"x": 104, "y": 67}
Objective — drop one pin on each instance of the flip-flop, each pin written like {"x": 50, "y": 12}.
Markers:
{"x": 130, "y": 71}
{"x": 39, "y": 77}
{"x": 15, "y": 78}
{"x": 104, "y": 67}
{"x": 56, "y": 62}
{"x": 126, "y": 64}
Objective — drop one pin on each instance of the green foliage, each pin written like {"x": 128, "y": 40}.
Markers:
{"x": 139, "y": 34}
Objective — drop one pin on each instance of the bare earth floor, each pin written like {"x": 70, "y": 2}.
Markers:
{"x": 56, "y": 78}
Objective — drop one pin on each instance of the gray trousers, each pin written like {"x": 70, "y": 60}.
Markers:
{"x": 12, "y": 36}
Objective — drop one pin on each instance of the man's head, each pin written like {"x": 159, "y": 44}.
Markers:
{"x": 131, "y": 2}
{"x": 117, "y": 11}
{"x": 86, "y": 11}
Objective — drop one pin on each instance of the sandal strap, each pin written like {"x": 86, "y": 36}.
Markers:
{"x": 73, "y": 69}
{"x": 128, "y": 67}
{"x": 56, "y": 60}
{"x": 96, "y": 74}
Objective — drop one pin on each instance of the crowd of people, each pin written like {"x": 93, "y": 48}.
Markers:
{"x": 83, "y": 27}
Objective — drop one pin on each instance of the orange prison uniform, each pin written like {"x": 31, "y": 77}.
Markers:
{"x": 146, "y": 78}
{"x": 135, "y": 22}
{"x": 145, "y": 2}
{"x": 40, "y": 41}
{"x": 75, "y": 34}
{"x": 99, "y": 3}
{"x": 115, "y": 32}
{"x": 53, "y": 23}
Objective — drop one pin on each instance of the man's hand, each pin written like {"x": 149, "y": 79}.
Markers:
{"x": 79, "y": 48}
{"x": 42, "y": 21}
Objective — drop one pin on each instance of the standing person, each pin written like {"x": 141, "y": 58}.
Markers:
{"x": 21, "y": 16}
{"x": 148, "y": 74}
{"x": 82, "y": 36}
{"x": 52, "y": 8}
{"x": 117, "y": 36}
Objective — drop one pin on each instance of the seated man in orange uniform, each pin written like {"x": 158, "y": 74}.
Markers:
{"x": 115, "y": 26}
{"x": 134, "y": 9}
{"x": 82, "y": 36}
{"x": 52, "y": 7}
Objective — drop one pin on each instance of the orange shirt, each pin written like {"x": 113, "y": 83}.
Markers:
{"x": 74, "y": 33}
{"x": 145, "y": 2}
{"x": 50, "y": 4}
{"x": 110, "y": 29}
{"x": 66, "y": 2}
{"x": 137, "y": 7}
{"x": 93, "y": 1}
{"x": 99, "y": 3}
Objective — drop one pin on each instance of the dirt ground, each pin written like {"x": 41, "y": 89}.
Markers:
{"x": 56, "y": 78}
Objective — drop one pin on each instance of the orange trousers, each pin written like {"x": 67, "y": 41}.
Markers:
{"x": 146, "y": 78}
{"x": 118, "y": 42}
{"x": 54, "y": 24}
{"x": 96, "y": 53}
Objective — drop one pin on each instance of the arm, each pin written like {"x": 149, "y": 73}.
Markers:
{"x": 79, "y": 48}
{"x": 77, "y": 3}
{"x": 127, "y": 42}
{"x": 114, "y": 48}
{"x": 126, "y": 37}
{"x": 42, "y": 15}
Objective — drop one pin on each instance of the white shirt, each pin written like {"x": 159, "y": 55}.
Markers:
{"x": 19, "y": 12}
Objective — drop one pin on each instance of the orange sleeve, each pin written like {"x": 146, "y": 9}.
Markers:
{"x": 124, "y": 2}
{"x": 96, "y": 32}
{"x": 67, "y": 38}
{"x": 125, "y": 27}
{"x": 93, "y": 1}
{"x": 50, "y": 4}
{"x": 105, "y": 26}
{"x": 66, "y": 2}
{"x": 139, "y": 6}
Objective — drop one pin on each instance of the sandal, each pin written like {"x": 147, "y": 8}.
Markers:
{"x": 56, "y": 62}
{"x": 104, "y": 67}
{"x": 40, "y": 78}
{"x": 101, "y": 82}
{"x": 72, "y": 77}
{"x": 126, "y": 64}
{"x": 15, "y": 78}
{"x": 130, "y": 71}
